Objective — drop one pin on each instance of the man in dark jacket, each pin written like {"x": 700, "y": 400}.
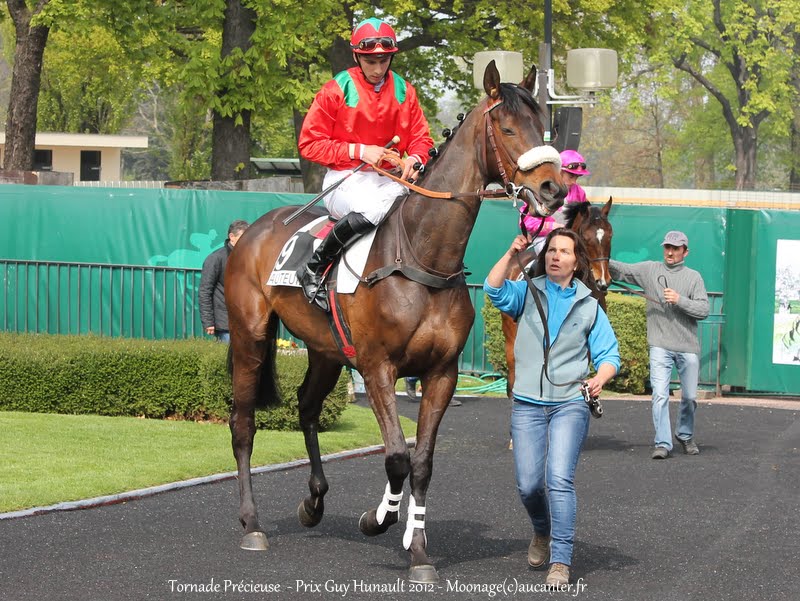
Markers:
{"x": 213, "y": 312}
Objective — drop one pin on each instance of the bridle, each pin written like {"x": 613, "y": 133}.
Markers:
{"x": 530, "y": 159}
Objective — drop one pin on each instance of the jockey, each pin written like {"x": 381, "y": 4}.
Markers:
{"x": 573, "y": 166}
{"x": 352, "y": 119}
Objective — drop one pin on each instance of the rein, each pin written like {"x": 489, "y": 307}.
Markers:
{"x": 509, "y": 190}
{"x": 485, "y": 193}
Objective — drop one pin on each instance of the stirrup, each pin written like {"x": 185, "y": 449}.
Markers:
{"x": 320, "y": 298}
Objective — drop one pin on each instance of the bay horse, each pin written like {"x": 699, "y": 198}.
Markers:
{"x": 591, "y": 223}
{"x": 399, "y": 327}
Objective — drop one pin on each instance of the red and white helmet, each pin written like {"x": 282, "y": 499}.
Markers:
{"x": 373, "y": 36}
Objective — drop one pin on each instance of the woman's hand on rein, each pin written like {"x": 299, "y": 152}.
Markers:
{"x": 519, "y": 244}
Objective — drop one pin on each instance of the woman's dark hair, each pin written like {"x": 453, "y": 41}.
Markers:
{"x": 583, "y": 270}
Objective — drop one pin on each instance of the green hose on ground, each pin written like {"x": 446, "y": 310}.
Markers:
{"x": 486, "y": 383}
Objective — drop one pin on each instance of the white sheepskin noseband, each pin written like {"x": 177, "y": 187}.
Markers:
{"x": 538, "y": 156}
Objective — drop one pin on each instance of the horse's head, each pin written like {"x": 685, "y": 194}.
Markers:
{"x": 592, "y": 225}
{"x": 515, "y": 151}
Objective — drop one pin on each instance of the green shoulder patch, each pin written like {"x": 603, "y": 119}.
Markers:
{"x": 400, "y": 87}
{"x": 348, "y": 87}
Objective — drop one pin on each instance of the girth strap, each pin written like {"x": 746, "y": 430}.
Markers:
{"x": 416, "y": 275}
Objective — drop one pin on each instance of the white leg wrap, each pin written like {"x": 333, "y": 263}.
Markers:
{"x": 416, "y": 519}
{"x": 389, "y": 503}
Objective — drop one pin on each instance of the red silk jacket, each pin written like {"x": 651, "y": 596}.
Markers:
{"x": 348, "y": 112}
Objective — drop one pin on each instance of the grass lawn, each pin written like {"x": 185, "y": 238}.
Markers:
{"x": 51, "y": 458}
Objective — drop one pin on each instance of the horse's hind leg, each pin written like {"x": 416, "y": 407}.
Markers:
{"x": 253, "y": 385}
{"x": 320, "y": 380}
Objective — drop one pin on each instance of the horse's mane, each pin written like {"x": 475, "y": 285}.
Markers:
{"x": 514, "y": 97}
{"x": 573, "y": 209}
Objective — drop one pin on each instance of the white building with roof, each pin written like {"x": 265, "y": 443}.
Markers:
{"x": 89, "y": 157}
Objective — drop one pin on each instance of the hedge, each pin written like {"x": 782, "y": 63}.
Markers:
{"x": 627, "y": 316}
{"x": 176, "y": 379}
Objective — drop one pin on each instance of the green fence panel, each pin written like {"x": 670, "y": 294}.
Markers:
{"x": 763, "y": 273}
{"x": 106, "y": 300}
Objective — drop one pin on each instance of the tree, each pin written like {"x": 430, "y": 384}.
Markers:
{"x": 33, "y": 20}
{"x": 741, "y": 53}
{"x": 230, "y": 157}
{"x": 89, "y": 82}
{"x": 247, "y": 58}
{"x": 31, "y": 38}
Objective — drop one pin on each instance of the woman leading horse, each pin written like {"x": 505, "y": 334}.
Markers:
{"x": 591, "y": 224}
{"x": 399, "y": 326}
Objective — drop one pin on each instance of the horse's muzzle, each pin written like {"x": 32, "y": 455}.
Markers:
{"x": 550, "y": 198}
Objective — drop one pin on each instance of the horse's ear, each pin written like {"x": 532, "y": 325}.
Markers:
{"x": 530, "y": 81}
{"x": 491, "y": 81}
{"x": 607, "y": 207}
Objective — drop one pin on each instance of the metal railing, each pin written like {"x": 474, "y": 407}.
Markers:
{"x": 107, "y": 300}
{"x": 709, "y": 333}
{"x": 157, "y": 302}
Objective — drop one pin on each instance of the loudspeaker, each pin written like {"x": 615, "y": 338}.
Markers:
{"x": 567, "y": 128}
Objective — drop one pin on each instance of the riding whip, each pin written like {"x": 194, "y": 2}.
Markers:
{"x": 332, "y": 187}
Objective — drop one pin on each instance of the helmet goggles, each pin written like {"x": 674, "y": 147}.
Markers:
{"x": 386, "y": 44}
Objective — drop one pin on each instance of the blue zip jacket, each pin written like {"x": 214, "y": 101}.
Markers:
{"x": 578, "y": 329}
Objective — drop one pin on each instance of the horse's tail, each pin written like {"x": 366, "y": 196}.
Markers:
{"x": 268, "y": 393}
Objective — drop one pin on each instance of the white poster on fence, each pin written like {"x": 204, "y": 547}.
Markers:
{"x": 786, "y": 329}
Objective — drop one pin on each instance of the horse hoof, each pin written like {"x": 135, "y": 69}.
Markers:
{"x": 363, "y": 524}
{"x": 425, "y": 574}
{"x": 254, "y": 541}
{"x": 307, "y": 519}
{"x": 368, "y": 523}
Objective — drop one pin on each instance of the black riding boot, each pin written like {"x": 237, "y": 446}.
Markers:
{"x": 346, "y": 231}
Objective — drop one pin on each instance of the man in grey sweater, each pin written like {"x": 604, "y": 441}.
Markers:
{"x": 671, "y": 335}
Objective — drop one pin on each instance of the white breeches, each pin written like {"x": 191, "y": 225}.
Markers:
{"x": 365, "y": 192}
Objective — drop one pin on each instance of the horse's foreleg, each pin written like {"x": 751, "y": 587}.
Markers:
{"x": 397, "y": 458}
{"x": 320, "y": 379}
{"x": 437, "y": 390}
{"x": 398, "y": 464}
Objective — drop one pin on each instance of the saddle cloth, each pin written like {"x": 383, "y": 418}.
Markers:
{"x": 297, "y": 250}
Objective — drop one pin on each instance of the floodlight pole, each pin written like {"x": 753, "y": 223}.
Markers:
{"x": 545, "y": 64}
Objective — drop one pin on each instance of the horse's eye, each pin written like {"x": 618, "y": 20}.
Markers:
{"x": 506, "y": 131}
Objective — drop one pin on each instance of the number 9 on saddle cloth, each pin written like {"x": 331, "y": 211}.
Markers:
{"x": 297, "y": 249}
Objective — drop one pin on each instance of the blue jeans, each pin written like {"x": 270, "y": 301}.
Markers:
{"x": 223, "y": 336}
{"x": 547, "y": 443}
{"x": 688, "y": 366}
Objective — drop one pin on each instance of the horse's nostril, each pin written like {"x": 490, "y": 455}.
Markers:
{"x": 550, "y": 190}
